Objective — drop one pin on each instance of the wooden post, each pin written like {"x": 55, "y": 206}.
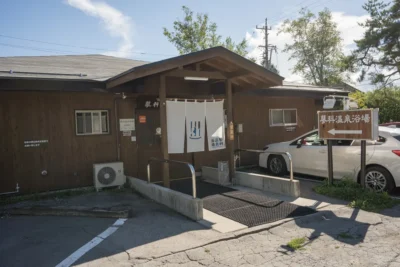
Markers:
{"x": 330, "y": 163}
{"x": 231, "y": 129}
{"x": 363, "y": 159}
{"x": 164, "y": 134}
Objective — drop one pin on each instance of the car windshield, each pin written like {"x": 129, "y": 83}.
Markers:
{"x": 312, "y": 139}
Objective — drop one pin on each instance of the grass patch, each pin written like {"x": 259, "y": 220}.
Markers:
{"x": 345, "y": 235}
{"x": 296, "y": 243}
{"x": 364, "y": 199}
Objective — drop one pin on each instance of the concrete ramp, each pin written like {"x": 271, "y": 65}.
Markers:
{"x": 180, "y": 202}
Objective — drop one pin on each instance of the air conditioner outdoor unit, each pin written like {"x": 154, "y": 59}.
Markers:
{"x": 108, "y": 174}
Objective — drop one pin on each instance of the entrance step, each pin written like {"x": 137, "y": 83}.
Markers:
{"x": 220, "y": 223}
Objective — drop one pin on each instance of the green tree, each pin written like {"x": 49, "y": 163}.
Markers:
{"x": 316, "y": 47}
{"x": 378, "y": 52}
{"x": 360, "y": 98}
{"x": 194, "y": 34}
{"x": 387, "y": 100}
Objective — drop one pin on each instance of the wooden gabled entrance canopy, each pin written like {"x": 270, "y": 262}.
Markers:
{"x": 215, "y": 65}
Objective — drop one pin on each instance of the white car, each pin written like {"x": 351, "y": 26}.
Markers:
{"x": 309, "y": 156}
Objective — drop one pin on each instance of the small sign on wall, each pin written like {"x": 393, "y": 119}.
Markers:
{"x": 148, "y": 102}
{"x": 35, "y": 143}
{"x": 142, "y": 119}
{"x": 231, "y": 133}
{"x": 127, "y": 133}
{"x": 126, "y": 124}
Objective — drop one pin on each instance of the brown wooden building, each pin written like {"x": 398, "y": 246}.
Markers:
{"x": 47, "y": 103}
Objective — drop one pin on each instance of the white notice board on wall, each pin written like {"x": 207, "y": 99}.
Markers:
{"x": 126, "y": 124}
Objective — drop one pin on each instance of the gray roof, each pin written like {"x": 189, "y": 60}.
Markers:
{"x": 101, "y": 68}
{"x": 308, "y": 88}
{"x": 74, "y": 67}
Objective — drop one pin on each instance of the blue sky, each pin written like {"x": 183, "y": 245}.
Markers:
{"x": 138, "y": 25}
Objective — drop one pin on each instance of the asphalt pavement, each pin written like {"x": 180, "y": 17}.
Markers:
{"x": 45, "y": 241}
{"x": 154, "y": 231}
{"x": 49, "y": 241}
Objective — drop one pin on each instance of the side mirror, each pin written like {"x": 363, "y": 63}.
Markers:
{"x": 299, "y": 143}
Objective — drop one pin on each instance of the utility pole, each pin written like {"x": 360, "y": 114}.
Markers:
{"x": 267, "y": 47}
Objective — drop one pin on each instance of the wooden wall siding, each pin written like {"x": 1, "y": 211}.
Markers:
{"x": 128, "y": 149}
{"x": 7, "y": 156}
{"x": 67, "y": 158}
{"x": 253, "y": 112}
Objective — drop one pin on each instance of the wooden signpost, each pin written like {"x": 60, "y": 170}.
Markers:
{"x": 348, "y": 125}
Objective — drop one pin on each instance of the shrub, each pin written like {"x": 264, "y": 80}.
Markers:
{"x": 361, "y": 198}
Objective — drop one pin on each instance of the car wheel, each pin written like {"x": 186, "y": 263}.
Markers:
{"x": 379, "y": 179}
{"x": 277, "y": 165}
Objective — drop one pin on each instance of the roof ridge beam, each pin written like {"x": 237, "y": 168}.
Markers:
{"x": 216, "y": 75}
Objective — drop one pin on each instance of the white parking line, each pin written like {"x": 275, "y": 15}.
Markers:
{"x": 91, "y": 244}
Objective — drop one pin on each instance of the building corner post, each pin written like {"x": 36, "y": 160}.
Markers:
{"x": 230, "y": 129}
{"x": 164, "y": 134}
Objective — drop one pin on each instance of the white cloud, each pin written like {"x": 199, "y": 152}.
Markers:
{"x": 114, "y": 21}
{"x": 347, "y": 25}
{"x": 349, "y": 29}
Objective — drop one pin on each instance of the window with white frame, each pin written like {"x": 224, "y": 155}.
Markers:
{"x": 283, "y": 117}
{"x": 89, "y": 122}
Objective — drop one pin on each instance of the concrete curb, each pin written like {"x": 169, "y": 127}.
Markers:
{"x": 318, "y": 216}
{"x": 98, "y": 213}
{"x": 263, "y": 182}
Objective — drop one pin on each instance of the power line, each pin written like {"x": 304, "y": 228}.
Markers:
{"x": 43, "y": 42}
{"x": 267, "y": 47}
{"x": 32, "y": 48}
{"x": 74, "y": 46}
{"x": 265, "y": 28}
{"x": 52, "y": 51}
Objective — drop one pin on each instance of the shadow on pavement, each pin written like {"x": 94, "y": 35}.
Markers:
{"x": 344, "y": 229}
{"x": 47, "y": 241}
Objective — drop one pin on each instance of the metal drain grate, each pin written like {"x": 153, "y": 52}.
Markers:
{"x": 252, "y": 209}
{"x": 243, "y": 207}
{"x": 256, "y": 215}
{"x": 249, "y": 197}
